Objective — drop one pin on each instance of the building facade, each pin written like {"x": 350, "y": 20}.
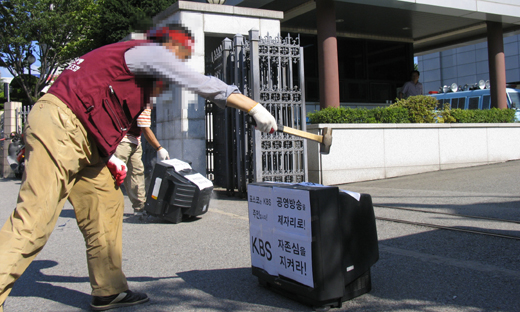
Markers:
{"x": 467, "y": 65}
{"x": 357, "y": 52}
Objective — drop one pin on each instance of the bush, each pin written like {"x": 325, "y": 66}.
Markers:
{"x": 493, "y": 115}
{"x": 2, "y": 99}
{"x": 415, "y": 109}
{"x": 18, "y": 93}
{"x": 444, "y": 114}
{"x": 359, "y": 115}
{"x": 391, "y": 114}
{"x": 421, "y": 108}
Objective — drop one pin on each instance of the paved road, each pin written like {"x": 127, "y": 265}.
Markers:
{"x": 204, "y": 265}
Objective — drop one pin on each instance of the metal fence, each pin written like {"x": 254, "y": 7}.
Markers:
{"x": 270, "y": 71}
{"x": 2, "y": 126}
{"x": 21, "y": 117}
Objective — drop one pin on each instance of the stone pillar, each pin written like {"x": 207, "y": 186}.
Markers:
{"x": 327, "y": 53}
{"x": 497, "y": 65}
{"x": 180, "y": 123}
{"x": 11, "y": 122}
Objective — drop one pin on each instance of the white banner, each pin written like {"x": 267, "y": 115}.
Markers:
{"x": 260, "y": 228}
{"x": 199, "y": 180}
{"x": 280, "y": 232}
{"x": 178, "y": 165}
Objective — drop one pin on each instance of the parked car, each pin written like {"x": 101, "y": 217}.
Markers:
{"x": 475, "y": 97}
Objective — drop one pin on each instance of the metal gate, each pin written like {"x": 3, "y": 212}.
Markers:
{"x": 21, "y": 117}
{"x": 270, "y": 71}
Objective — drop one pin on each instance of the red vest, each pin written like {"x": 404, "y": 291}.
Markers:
{"x": 103, "y": 93}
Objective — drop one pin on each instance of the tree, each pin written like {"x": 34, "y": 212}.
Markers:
{"x": 17, "y": 91}
{"x": 53, "y": 29}
{"x": 118, "y": 18}
{"x": 2, "y": 100}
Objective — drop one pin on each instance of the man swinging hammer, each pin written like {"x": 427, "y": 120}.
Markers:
{"x": 71, "y": 135}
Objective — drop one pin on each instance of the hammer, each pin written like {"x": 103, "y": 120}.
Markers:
{"x": 325, "y": 140}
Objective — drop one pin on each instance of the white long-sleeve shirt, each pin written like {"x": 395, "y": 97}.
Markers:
{"x": 158, "y": 61}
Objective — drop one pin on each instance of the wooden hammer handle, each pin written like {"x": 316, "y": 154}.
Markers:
{"x": 300, "y": 133}
{"x": 296, "y": 132}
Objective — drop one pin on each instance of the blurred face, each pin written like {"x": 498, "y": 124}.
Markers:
{"x": 181, "y": 52}
{"x": 158, "y": 88}
{"x": 415, "y": 77}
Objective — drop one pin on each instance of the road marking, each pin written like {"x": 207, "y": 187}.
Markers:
{"x": 229, "y": 214}
{"x": 465, "y": 264}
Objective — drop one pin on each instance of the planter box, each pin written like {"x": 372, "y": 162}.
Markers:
{"x": 362, "y": 152}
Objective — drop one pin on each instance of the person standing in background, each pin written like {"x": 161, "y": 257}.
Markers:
{"x": 412, "y": 87}
{"x": 130, "y": 152}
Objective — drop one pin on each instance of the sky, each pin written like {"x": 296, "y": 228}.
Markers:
{"x": 34, "y": 68}
{"x": 4, "y": 72}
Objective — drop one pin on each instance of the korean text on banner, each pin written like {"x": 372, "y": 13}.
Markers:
{"x": 281, "y": 234}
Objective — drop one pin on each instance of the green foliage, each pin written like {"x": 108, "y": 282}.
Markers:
{"x": 18, "y": 94}
{"x": 444, "y": 115}
{"x": 421, "y": 108}
{"x": 2, "y": 99}
{"x": 360, "y": 115}
{"x": 117, "y": 18}
{"x": 60, "y": 26}
{"x": 391, "y": 114}
{"x": 411, "y": 111}
{"x": 493, "y": 115}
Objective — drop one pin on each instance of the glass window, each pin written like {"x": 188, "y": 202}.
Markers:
{"x": 312, "y": 89}
{"x": 486, "y": 101}
{"x": 351, "y": 58}
{"x": 386, "y": 60}
{"x": 458, "y": 103}
{"x": 353, "y": 91}
{"x": 381, "y": 91}
{"x": 515, "y": 99}
{"x": 473, "y": 103}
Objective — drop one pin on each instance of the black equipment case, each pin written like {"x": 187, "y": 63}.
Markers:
{"x": 177, "y": 191}
{"x": 344, "y": 247}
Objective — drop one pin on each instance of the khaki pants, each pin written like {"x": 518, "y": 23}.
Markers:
{"x": 62, "y": 163}
{"x": 132, "y": 155}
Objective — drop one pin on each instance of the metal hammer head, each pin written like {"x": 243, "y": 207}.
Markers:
{"x": 326, "y": 141}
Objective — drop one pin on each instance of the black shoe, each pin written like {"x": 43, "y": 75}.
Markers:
{"x": 140, "y": 214}
{"x": 126, "y": 298}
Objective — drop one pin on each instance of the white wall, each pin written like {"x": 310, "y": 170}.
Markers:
{"x": 361, "y": 152}
{"x": 11, "y": 120}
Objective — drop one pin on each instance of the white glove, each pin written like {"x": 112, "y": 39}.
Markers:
{"x": 162, "y": 154}
{"x": 265, "y": 122}
{"x": 118, "y": 169}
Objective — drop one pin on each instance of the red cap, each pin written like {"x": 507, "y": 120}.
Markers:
{"x": 175, "y": 35}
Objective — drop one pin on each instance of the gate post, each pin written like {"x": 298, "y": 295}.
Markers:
{"x": 227, "y": 45}
{"x": 239, "y": 120}
{"x": 254, "y": 81}
{"x": 303, "y": 114}
{"x": 12, "y": 121}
